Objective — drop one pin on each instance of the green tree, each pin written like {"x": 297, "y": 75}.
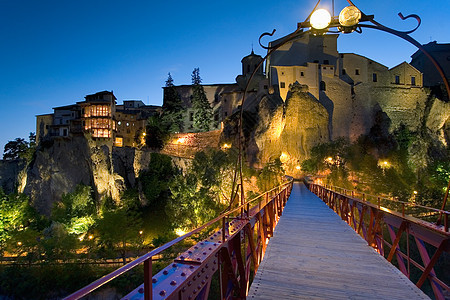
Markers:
{"x": 155, "y": 180}
{"x": 271, "y": 175}
{"x": 20, "y": 148}
{"x": 200, "y": 193}
{"x": 202, "y": 109}
{"x": 157, "y": 134}
{"x": 15, "y": 214}
{"x": 173, "y": 112}
{"x": 15, "y": 149}
{"x": 119, "y": 231}
{"x": 76, "y": 210}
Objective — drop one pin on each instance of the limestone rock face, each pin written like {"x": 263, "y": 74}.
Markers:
{"x": 9, "y": 174}
{"x": 292, "y": 130}
{"x": 61, "y": 165}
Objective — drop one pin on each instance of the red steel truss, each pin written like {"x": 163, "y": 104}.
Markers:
{"x": 383, "y": 229}
{"x": 235, "y": 251}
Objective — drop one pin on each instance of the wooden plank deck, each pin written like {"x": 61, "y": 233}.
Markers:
{"x": 316, "y": 255}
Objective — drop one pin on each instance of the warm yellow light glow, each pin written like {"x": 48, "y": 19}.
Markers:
{"x": 384, "y": 164}
{"x": 320, "y": 19}
{"x": 180, "y": 232}
{"x": 141, "y": 232}
{"x": 297, "y": 167}
{"x": 91, "y": 237}
{"x": 329, "y": 159}
{"x": 226, "y": 146}
{"x": 284, "y": 157}
{"x": 80, "y": 238}
{"x": 144, "y": 134}
{"x": 415, "y": 192}
{"x": 349, "y": 16}
{"x": 181, "y": 140}
{"x": 19, "y": 243}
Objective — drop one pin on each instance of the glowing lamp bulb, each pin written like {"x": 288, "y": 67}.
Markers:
{"x": 349, "y": 16}
{"x": 320, "y": 19}
{"x": 297, "y": 167}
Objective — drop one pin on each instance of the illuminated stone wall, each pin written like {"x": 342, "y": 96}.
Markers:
{"x": 290, "y": 133}
{"x": 185, "y": 145}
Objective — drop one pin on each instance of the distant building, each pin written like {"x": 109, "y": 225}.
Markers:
{"x": 226, "y": 98}
{"x": 100, "y": 118}
{"x": 441, "y": 53}
{"x": 315, "y": 61}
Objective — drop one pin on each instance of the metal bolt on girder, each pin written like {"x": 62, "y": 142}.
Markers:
{"x": 141, "y": 291}
{"x": 173, "y": 282}
{"x": 162, "y": 293}
{"x": 154, "y": 280}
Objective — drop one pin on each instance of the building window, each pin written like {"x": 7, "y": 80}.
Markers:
{"x": 302, "y": 74}
{"x": 397, "y": 79}
{"x": 226, "y": 114}
{"x": 374, "y": 77}
{"x": 326, "y": 62}
{"x": 64, "y": 132}
{"x": 282, "y": 73}
{"x": 356, "y": 71}
{"x": 316, "y": 61}
{"x": 323, "y": 86}
{"x": 282, "y": 85}
{"x": 413, "y": 80}
{"x": 343, "y": 72}
{"x": 266, "y": 87}
{"x": 324, "y": 68}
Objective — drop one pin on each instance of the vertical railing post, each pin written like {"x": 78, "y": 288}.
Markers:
{"x": 446, "y": 222}
{"x": 223, "y": 229}
{"x": 148, "y": 292}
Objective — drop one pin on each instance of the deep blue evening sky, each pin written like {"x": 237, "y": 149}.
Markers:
{"x": 54, "y": 52}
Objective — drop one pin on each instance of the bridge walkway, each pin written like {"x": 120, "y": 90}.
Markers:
{"x": 315, "y": 255}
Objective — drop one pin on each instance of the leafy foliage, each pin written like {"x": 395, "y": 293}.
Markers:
{"x": 20, "y": 148}
{"x": 202, "y": 109}
{"x": 199, "y": 194}
{"x": 119, "y": 231}
{"x": 155, "y": 180}
{"x": 157, "y": 134}
{"x": 173, "y": 113}
{"x": 271, "y": 175}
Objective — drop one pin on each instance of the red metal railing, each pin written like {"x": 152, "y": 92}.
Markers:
{"x": 369, "y": 219}
{"x": 190, "y": 274}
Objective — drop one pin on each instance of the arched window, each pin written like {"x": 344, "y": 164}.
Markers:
{"x": 323, "y": 86}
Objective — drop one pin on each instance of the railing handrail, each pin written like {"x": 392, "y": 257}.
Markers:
{"x": 392, "y": 200}
{"x": 107, "y": 278}
{"x": 442, "y": 229}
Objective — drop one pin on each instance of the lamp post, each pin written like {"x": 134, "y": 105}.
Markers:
{"x": 319, "y": 22}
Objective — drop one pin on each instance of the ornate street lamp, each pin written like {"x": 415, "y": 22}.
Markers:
{"x": 319, "y": 22}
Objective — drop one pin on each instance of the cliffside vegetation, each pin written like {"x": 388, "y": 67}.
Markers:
{"x": 403, "y": 164}
{"x": 81, "y": 229}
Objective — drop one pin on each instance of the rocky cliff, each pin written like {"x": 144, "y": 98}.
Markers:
{"x": 63, "y": 163}
{"x": 290, "y": 130}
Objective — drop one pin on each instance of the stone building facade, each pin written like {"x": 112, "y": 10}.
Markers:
{"x": 441, "y": 53}
{"x": 225, "y": 99}
{"x": 100, "y": 118}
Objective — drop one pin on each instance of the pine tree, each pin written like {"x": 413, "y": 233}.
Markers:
{"x": 200, "y": 104}
{"x": 172, "y": 115}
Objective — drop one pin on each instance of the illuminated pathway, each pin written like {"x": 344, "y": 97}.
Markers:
{"x": 316, "y": 255}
